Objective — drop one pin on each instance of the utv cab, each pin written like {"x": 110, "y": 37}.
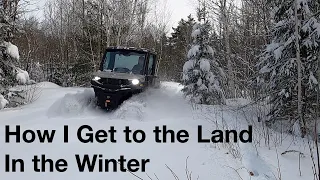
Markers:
{"x": 124, "y": 72}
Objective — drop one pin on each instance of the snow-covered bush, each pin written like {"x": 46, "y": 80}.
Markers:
{"x": 36, "y": 72}
{"x": 3, "y": 102}
{"x": 12, "y": 50}
{"x": 22, "y": 76}
{"x": 202, "y": 75}
{"x": 10, "y": 76}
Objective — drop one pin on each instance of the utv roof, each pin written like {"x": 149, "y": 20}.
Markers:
{"x": 131, "y": 48}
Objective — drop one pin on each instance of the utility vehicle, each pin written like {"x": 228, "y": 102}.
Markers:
{"x": 124, "y": 72}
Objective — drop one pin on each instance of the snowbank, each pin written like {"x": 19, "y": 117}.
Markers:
{"x": 133, "y": 109}
{"x": 254, "y": 164}
{"x": 157, "y": 107}
{"x": 238, "y": 102}
{"x": 139, "y": 107}
{"x": 72, "y": 104}
{"x": 48, "y": 85}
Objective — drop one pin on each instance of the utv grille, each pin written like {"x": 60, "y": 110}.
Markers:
{"x": 116, "y": 82}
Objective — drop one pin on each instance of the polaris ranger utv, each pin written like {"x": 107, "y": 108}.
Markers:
{"x": 124, "y": 72}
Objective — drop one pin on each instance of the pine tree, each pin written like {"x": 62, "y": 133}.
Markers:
{"x": 10, "y": 75}
{"x": 289, "y": 64}
{"x": 202, "y": 75}
{"x": 179, "y": 43}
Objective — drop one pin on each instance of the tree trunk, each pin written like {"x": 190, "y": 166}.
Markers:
{"x": 300, "y": 114}
{"x": 228, "y": 50}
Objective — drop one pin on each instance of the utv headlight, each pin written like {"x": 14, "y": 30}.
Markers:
{"x": 96, "y": 78}
{"x": 135, "y": 81}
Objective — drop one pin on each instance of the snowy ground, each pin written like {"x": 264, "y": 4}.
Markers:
{"x": 58, "y": 106}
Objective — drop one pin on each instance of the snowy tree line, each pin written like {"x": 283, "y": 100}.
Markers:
{"x": 289, "y": 66}
{"x": 277, "y": 61}
{"x": 68, "y": 44}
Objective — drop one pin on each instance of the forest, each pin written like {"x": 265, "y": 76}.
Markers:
{"x": 265, "y": 51}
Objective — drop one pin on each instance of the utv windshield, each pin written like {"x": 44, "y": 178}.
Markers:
{"x": 124, "y": 62}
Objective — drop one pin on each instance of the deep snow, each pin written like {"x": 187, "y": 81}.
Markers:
{"x": 74, "y": 107}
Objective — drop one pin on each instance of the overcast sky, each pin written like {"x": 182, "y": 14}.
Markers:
{"x": 180, "y": 9}
{"x": 177, "y": 9}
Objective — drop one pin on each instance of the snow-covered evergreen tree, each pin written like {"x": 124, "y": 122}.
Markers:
{"x": 10, "y": 75}
{"x": 294, "y": 50}
{"x": 202, "y": 75}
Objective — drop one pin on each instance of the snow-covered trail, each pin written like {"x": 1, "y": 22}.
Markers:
{"x": 57, "y": 107}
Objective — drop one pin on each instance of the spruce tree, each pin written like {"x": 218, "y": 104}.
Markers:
{"x": 10, "y": 75}
{"x": 179, "y": 44}
{"x": 294, "y": 50}
{"x": 202, "y": 75}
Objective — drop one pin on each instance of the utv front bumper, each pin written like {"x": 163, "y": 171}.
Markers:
{"x": 111, "y": 96}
